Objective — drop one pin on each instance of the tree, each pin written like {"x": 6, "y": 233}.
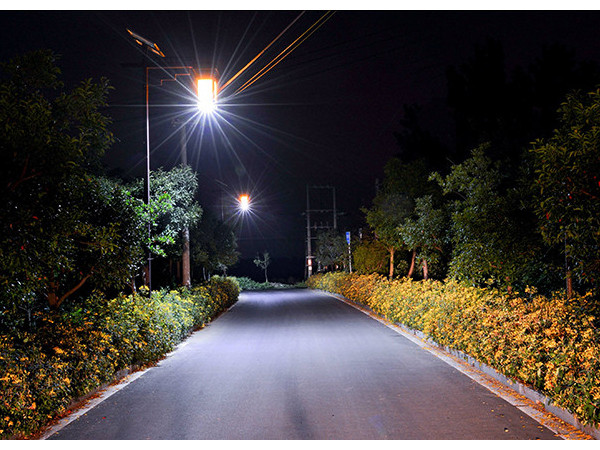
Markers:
{"x": 213, "y": 244}
{"x": 181, "y": 184}
{"x": 424, "y": 233}
{"x": 263, "y": 263}
{"x": 174, "y": 209}
{"x": 388, "y": 212}
{"x": 394, "y": 203}
{"x": 567, "y": 187}
{"x": 370, "y": 256}
{"x": 62, "y": 227}
{"x": 488, "y": 241}
{"x": 332, "y": 249}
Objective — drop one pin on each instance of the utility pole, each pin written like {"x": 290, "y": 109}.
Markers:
{"x": 320, "y": 211}
{"x": 334, "y": 210}
{"x": 308, "y": 236}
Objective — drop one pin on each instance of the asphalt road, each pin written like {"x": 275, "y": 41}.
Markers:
{"x": 302, "y": 365}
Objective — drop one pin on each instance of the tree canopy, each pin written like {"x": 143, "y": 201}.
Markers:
{"x": 62, "y": 226}
{"x": 567, "y": 186}
{"x": 332, "y": 249}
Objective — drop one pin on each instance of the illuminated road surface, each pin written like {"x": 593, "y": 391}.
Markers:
{"x": 302, "y": 365}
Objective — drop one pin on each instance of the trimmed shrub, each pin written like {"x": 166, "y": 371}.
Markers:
{"x": 247, "y": 284}
{"x": 74, "y": 351}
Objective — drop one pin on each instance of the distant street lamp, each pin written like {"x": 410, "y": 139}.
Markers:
{"x": 206, "y": 94}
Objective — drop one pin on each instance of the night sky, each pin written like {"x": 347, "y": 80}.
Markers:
{"x": 325, "y": 115}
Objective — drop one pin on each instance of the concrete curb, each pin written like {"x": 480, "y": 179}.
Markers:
{"x": 534, "y": 404}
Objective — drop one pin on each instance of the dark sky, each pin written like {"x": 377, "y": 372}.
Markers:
{"x": 325, "y": 115}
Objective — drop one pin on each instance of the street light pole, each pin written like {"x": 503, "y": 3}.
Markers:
{"x": 153, "y": 47}
{"x": 149, "y": 272}
{"x": 206, "y": 92}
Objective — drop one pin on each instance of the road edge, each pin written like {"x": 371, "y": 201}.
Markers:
{"x": 537, "y": 406}
{"x": 103, "y": 393}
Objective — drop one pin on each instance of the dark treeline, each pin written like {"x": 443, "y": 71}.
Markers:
{"x": 67, "y": 228}
{"x": 507, "y": 195}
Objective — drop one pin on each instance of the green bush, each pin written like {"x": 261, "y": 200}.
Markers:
{"x": 247, "y": 284}
{"x": 78, "y": 349}
{"x": 549, "y": 343}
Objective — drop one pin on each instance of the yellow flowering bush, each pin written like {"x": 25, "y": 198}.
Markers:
{"x": 79, "y": 349}
{"x": 548, "y": 343}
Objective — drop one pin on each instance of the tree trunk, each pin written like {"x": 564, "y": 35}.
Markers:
{"x": 53, "y": 295}
{"x": 412, "y": 263}
{"x": 392, "y": 251}
{"x": 132, "y": 285}
{"x": 54, "y": 300}
{"x": 266, "y": 279}
{"x": 569, "y": 274}
{"x": 185, "y": 259}
{"x": 425, "y": 270}
{"x": 569, "y": 284}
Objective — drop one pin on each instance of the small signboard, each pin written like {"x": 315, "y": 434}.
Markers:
{"x": 348, "y": 237}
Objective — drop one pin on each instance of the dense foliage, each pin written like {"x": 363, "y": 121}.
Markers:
{"x": 567, "y": 186}
{"x": 83, "y": 346}
{"x": 492, "y": 225}
{"x": 247, "y": 284}
{"x": 549, "y": 343}
{"x": 332, "y": 250}
{"x": 63, "y": 227}
{"x": 178, "y": 208}
{"x": 478, "y": 201}
{"x": 213, "y": 246}
{"x": 369, "y": 256}
{"x": 70, "y": 240}
{"x": 489, "y": 241}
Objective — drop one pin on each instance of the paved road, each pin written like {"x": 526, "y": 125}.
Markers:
{"x": 302, "y": 365}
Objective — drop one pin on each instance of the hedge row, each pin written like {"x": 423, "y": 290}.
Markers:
{"x": 247, "y": 284}
{"x": 550, "y": 344}
{"x": 75, "y": 351}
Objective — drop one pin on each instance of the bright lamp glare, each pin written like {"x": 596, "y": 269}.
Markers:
{"x": 207, "y": 95}
{"x": 244, "y": 202}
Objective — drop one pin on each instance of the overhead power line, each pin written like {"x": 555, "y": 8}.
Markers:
{"x": 314, "y": 27}
{"x": 258, "y": 56}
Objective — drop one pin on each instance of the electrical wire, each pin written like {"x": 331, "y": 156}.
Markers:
{"x": 260, "y": 53}
{"x": 314, "y": 27}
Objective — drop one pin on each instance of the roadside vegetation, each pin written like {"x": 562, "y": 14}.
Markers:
{"x": 74, "y": 307}
{"x": 491, "y": 245}
{"x": 247, "y": 284}
{"x": 513, "y": 200}
{"x": 549, "y": 343}
{"x": 68, "y": 353}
